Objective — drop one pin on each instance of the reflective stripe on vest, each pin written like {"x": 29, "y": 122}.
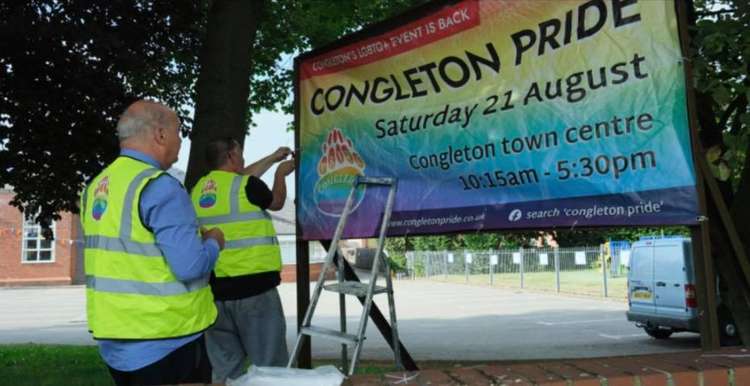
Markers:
{"x": 120, "y": 245}
{"x": 124, "y": 243}
{"x": 251, "y": 242}
{"x": 235, "y": 216}
{"x": 251, "y": 245}
{"x": 130, "y": 288}
{"x": 232, "y": 217}
{"x": 104, "y": 284}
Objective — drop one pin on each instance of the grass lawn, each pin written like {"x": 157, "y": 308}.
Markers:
{"x": 54, "y": 365}
{"x": 583, "y": 282}
{"x": 42, "y": 365}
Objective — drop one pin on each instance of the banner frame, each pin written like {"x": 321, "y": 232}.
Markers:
{"x": 705, "y": 289}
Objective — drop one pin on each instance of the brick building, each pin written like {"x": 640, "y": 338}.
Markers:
{"x": 26, "y": 258}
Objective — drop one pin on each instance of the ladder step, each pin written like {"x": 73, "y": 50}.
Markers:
{"x": 365, "y": 291}
{"x": 330, "y": 334}
{"x": 355, "y": 288}
{"x": 375, "y": 180}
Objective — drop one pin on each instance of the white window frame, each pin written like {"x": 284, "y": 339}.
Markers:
{"x": 31, "y": 225}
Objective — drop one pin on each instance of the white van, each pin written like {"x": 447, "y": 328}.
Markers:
{"x": 661, "y": 289}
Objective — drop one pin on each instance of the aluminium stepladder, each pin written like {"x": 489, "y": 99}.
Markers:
{"x": 355, "y": 288}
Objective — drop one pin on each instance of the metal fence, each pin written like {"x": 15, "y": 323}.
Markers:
{"x": 582, "y": 270}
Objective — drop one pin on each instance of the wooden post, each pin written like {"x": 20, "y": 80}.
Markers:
{"x": 302, "y": 267}
{"x": 304, "y": 360}
{"x": 726, "y": 220}
{"x": 705, "y": 277}
{"x": 705, "y": 287}
{"x": 557, "y": 269}
{"x": 730, "y": 254}
{"x": 520, "y": 264}
{"x": 605, "y": 290}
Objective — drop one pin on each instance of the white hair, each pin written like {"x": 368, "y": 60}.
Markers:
{"x": 136, "y": 121}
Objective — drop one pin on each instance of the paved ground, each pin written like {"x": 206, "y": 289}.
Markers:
{"x": 725, "y": 367}
{"x": 436, "y": 320}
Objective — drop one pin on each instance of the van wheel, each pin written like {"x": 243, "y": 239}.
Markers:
{"x": 728, "y": 334}
{"x": 657, "y": 333}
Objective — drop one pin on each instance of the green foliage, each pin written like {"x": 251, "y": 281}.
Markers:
{"x": 480, "y": 241}
{"x": 398, "y": 246}
{"x": 435, "y": 243}
{"x": 419, "y": 268}
{"x": 396, "y": 249}
{"x": 398, "y": 262}
{"x": 54, "y": 365}
{"x": 570, "y": 238}
{"x": 69, "y": 68}
{"x": 294, "y": 26}
{"x": 720, "y": 49}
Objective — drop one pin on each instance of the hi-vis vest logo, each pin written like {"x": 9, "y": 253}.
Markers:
{"x": 100, "y": 198}
{"x": 337, "y": 168}
{"x": 208, "y": 194}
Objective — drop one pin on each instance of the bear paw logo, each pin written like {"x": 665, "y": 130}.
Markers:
{"x": 208, "y": 194}
{"x": 101, "y": 194}
{"x": 339, "y": 165}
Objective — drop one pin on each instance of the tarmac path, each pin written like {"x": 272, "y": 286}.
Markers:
{"x": 437, "y": 321}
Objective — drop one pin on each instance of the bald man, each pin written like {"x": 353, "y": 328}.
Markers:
{"x": 147, "y": 263}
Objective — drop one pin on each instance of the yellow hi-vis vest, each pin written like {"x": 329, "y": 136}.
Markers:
{"x": 131, "y": 293}
{"x": 250, "y": 240}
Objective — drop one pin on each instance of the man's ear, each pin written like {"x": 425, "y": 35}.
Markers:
{"x": 159, "y": 135}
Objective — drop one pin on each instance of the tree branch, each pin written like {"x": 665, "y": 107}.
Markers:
{"x": 738, "y": 102}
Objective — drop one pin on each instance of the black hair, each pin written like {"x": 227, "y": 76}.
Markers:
{"x": 218, "y": 150}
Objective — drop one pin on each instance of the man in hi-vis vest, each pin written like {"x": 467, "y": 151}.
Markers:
{"x": 233, "y": 198}
{"x": 147, "y": 295}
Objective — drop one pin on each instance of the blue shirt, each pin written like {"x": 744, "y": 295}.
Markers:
{"x": 166, "y": 208}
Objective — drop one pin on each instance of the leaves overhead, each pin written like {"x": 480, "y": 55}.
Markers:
{"x": 721, "y": 48}
{"x": 294, "y": 26}
{"x": 69, "y": 68}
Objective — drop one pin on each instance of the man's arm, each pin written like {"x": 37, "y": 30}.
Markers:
{"x": 261, "y": 166}
{"x": 279, "y": 185}
{"x": 166, "y": 209}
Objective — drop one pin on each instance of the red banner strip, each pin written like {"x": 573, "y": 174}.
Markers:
{"x": 447, "y": 22}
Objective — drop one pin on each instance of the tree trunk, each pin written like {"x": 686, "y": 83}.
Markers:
{"x": 740, "y": 206}
{"x": 739, "y": 304}
{"x": 734, "y": 289}
{"x": 223, "y": 87}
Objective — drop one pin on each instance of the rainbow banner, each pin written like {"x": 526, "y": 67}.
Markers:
{"x": 500, "y": 114}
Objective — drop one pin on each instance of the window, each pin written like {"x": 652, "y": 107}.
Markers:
{"x": 35, "y": 249}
